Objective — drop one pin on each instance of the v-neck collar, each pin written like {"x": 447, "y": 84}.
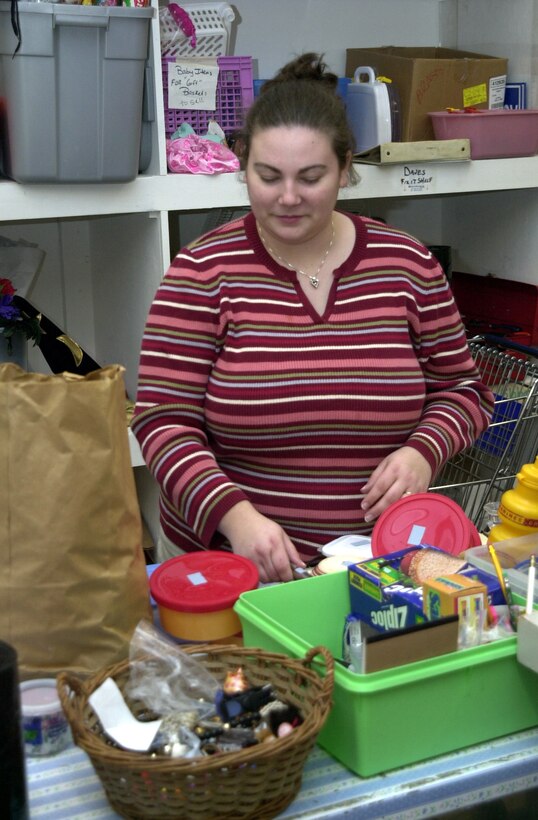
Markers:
{"x": 288, "y": 275}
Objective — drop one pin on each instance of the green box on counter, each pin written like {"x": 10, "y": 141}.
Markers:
{"x": 385, "y": 720}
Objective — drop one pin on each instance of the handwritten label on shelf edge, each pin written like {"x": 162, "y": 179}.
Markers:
{"x": 416, "y": 179}
{"x": 192, "y": 83}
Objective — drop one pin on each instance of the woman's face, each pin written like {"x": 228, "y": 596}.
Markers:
{"x": 293, "y": 179}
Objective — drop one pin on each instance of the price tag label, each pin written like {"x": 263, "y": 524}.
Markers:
{"x": 192, "y": 83}
{"x": 475, "y": 95}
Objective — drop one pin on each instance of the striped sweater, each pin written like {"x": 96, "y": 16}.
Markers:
{"x": 246, "y": 392}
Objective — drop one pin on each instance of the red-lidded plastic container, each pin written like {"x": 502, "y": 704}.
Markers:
{"x": 424, "y": 518}
{"x": 196, "y": 592}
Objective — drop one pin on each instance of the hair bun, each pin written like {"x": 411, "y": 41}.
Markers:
{"x": 309, "y": 66}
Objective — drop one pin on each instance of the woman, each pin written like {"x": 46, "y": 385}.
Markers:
{"x": 301, "y": 368}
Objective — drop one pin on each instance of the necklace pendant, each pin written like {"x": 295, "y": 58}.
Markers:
{"x": 314, "y": 281}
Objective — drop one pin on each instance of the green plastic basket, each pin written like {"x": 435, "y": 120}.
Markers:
{"x": 385, "y": 720}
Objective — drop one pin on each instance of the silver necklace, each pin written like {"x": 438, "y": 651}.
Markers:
{"x": 312, "y": 277}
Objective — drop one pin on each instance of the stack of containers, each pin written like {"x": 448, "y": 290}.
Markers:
{"x": 212, "y": 24}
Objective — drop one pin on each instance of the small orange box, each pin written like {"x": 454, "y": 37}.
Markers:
{"x": 453, "y": 595}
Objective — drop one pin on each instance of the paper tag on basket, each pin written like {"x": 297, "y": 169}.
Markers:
{"x": 118, "y": 721}
{"x": 192, "y": 83}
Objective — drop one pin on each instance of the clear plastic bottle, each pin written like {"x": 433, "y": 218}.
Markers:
{"x": 518, "y": 510}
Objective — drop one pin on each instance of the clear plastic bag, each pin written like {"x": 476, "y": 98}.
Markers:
{"x": 165, "y": 678}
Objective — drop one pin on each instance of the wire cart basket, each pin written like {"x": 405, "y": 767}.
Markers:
{"x": 481, "y": 473}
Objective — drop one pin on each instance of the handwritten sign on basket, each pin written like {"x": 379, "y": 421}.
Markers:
{"x": 192, "y": 83}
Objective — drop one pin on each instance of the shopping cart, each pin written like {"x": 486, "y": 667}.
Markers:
{"x": 481, "y": 473}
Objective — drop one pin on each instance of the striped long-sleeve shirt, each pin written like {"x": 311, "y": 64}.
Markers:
{"x": 245, "y": 392}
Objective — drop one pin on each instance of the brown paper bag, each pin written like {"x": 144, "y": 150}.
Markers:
{"x": 73, "y": 582}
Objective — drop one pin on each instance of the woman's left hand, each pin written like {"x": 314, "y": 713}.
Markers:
{"x": 402, "y": 472}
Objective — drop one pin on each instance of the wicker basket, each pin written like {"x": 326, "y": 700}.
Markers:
{"x": 256, "y": 782}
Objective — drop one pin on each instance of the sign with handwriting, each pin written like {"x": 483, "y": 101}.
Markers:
{"x": 416, "y": 179}
{"x": 192, "y": 83}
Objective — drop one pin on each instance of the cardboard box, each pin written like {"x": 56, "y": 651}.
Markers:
{"x": 386, "y": 650}
{"x": 494, "y": 592}
{"x": 432, "y": 79}
{"x": 453, "y": 595}
{"x": 384, "y": 597}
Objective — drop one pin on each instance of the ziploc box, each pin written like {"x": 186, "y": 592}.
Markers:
{"x": 453, "y": 595}
{"x": 382, "y": 596}
{"x": 73, "y": 92}
{"x": 432, "y": 79}
{"x": 391, "y": 718}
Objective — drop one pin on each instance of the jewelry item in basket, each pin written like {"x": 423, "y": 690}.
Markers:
{"x": 242, "y": 716}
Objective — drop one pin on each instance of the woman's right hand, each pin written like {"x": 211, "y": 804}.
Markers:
{"x": 262, "y": 540}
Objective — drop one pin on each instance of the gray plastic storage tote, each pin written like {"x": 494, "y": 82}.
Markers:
{"x": 71, "y": 97}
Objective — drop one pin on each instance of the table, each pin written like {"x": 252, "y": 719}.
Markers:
{"x": 65, "y": 787}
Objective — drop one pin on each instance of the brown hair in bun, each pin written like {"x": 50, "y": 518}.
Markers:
{"x": 302, "y": 93}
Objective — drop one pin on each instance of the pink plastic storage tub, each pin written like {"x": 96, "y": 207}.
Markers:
{"x": 493, "y": 134}
{"x": 235, "y": 92}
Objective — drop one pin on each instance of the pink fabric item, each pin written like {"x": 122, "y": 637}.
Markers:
{"x": 195, "y": 155}
{"x": 184, "y": 21}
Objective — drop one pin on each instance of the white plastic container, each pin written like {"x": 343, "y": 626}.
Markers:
{"x": 368, "y": 110}
{"x": 212, "y": 22}
{"x": 513, "y": 555}
{"x": 44, "y": 725}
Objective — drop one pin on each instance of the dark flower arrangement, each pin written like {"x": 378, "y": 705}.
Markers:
{"x": 13, "y": 320}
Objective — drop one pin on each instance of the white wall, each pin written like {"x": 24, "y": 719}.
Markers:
{"x": 504, "y": 28}
{"x": 276, "y": 31}
{"x": 494, "y": 234}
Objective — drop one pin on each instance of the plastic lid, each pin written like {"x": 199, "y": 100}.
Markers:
{"x": 202, "y": 581}
{"x": 39, "y": 697}
{"x": 423, "y": 518}
{"x": 528, "y": 474}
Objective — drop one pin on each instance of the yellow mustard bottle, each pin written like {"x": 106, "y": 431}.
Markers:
{"x": 518, "y": 509}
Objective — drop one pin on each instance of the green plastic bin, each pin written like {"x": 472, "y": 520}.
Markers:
{"x": 385, "y": 720}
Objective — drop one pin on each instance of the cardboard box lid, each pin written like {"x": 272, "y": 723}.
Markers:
{"x": 423, "y": 52}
